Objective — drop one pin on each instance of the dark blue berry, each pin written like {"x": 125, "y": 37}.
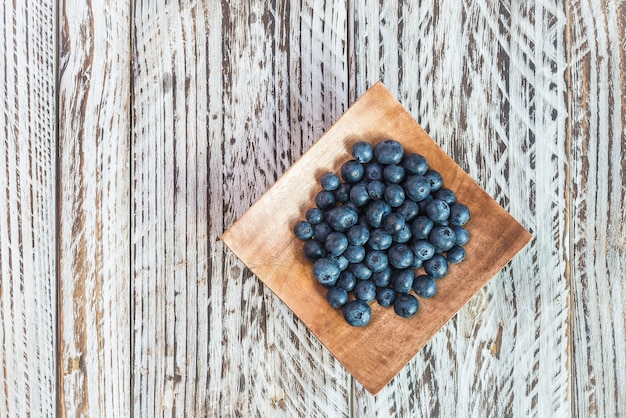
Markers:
{"x": 373, "y": 171}
{"x": 341, "y": 261}
{"x": 359, "y": 194}
{"x": 415, "y": 164}
{"x": 325, "y": 200}
{"x": 358, "y": 235}
{"x": 394, "y": 195}
{"x": 313, "y": 249}
{"x": 409, "y": 210}
{"x": 436, "y": 267}
{"x": 360, "y": 271}
{"x": 388, "y": 151}
{"x": 434, "y": 179}
{"x": 336, "y": 243}
{"x": 406, "y": 305}
{"x": 346, "y": 280}
{"x": 425, "y": 286}
{"x": 422, "y": 203}
{"x": 385, "y": 296}
{"x": 393, "y": 222}
{"x": 462, "y": 236}
{"x": 342, "y": 193}
{"x": 380, "y": 239}
{"x": 330, "y": 181}
{"x": 442, "y": 238}
{"x": 336, "y": 297}
{"x": 417, "y": 188}
{"x": 402, "y": 280}
{"x": 362, "y": 151}
{"x": 314, "y": 216}
{"x": 459, "y": 214}
{"x": 403, "y": 235}
{"x": 357, "y": 313}
{"x": 375, "y": 211}
{"x": 455, "y": 255}
{"x": 342, "y": 218}
{"x": 382, "y": 278}
{"x": 354, "y": 253}
{"x": 422, "y": 249}
{"x": 376, "y": 189}
{"x": 376, "y": 261}
{"x": 364, "y": 290}
{"x": 400, "y": 256}
{"x": 394, "y": 173}
{"x": 322, "y": 230}
{"x": 352, "y": 171}
{"x": 421, "y": 227}
{"x": 326, "y": 271}
{"x": 437, "y": 210}
{"x": 304, "y": 230}
{"x": 446, "y": 195}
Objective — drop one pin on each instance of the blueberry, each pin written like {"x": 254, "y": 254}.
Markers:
{"x": 313, "y": 249}
{"x": 376, "y": 189}
{"x": 329, "y": 181}
{"x": 437, "y": 210}
{"x": 417, "y": 188}
{"x": 434, "y": 179}
{"x": 388, "y": 151}
{"x": 455, "y": 255}
{"x": 400, "y": 256}
{"x": 376, "y": 261}
{"x": 409, "y": 210}
{"x": 402, "y": 280}
{"x": 459, "y": 214}
{"x": 336, "y": 297}
{"x": 357, "y": 313}
{"x": 442, "y": 238}
{"x": 392, "y": 223}
{"x": 421, "y": 227}
{"x": 462, "y": 236}
{"x": 336, "y": 243}
{"x": 325, "y": 200}
{"x": 358, "y": 235}
{"x": 422, "y": 249}
{"x": 362, "y": 151}
{"x": 342, "y": 193}
{"x": 342, "y": 218}
{"x": 359, "y": 194}
{"x": 304, "y": 230}
{"x": 373, "y": 171}
{"x": 314, "y": 216}
{"x": 406, "y": 305}
{"x": 417, "y": 263}
{"x": 380, "y": 239}
{"x": 360, "y": 271}
{"x": 394, "y": 173}
{"x": 436, "y": 267}
{"x": 365, "y": 290}
{"x": 351, "y": 171}
{"x": 385, "y": 296}
{"x": 425, "y": 286}
{"x": 346, "y": 280}
{"x": 354, "y": 253}
{"x": 375, "y": 211}
{"x": 382, "y": 278}
{"x": 341, "y": 261}
{"x": 322, "y": 230}
{"x": 326, "y": 271}
{"x": 415, "y": 164}
{"x": 446, "y": 195}
{"x": 403, "y": 235}
{"x": 422, "y": 203}
{"x": 394, "y": 195}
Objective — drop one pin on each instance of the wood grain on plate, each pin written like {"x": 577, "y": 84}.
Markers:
{"x": 264, "y": 240}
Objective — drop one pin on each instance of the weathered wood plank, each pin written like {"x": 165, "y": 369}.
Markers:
{"x": 217, "y": 117}
{"x": 94, "y": 153}
{"x": 27, "y": 210}
{"x": 598, "y": 174}
{"x": 487, "y": 80}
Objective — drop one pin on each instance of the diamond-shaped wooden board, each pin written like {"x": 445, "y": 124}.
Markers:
{"x": 263, "y": 239}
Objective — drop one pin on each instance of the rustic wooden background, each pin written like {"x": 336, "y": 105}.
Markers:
{"x": 134, "y": 133}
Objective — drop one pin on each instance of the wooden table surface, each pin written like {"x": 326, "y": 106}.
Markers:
{"x": 134, "y": 133}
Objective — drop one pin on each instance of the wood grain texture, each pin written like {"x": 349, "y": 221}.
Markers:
{"x": 598, "y": 173}
{"x": 216, "y": 102}
{"x": 27, "y": 210}
{"x": 94, "y": 180}
{"x": 486, "y": 79}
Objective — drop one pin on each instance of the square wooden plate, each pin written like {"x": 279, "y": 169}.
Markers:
{"x": 263, "y": 239}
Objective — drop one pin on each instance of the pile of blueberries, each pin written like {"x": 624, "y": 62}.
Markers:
{"x": 371, "y": 232}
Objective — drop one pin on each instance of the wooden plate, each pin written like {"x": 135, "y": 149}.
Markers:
{"x": 263, "y": 239}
